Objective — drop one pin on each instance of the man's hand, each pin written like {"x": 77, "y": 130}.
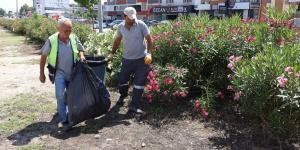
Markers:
{"x": 109, "y": 57}
{"x": 81, "y": 56}
{"x": 42, "y": 78}
{"x": 148, "y": 59}
{"x": 42, "y": 66}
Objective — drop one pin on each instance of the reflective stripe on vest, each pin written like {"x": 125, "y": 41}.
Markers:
{"x": 52, "y": 58}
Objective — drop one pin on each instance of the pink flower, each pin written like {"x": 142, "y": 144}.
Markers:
{"x": 237, "y": 96}
{"x": 289, "y": 70}
{"x": 237, "y": 59}
{"x": 155, "y": 87}
{"x": 229, "y": 77}
{"x": 231, "y": 58}
{"x": 168, "y": 80}
{"x": 233, "y": 30}
{"x": 178, "y": 24}
{"x": 204, "y": 113}
{"x": 165, "y": 34}
{"x": 176, "y": 94}
{"x": 250, "y": 38}
{"x": 151, "y": 74}
{"x": 149, "y": 87}
{"x": 220, "y": 94}
{"x": 155, "y": 37}
{"x": 229, "y": 88}
{"x": 149, "y": 98}
{"x": 183, "y": 94}
{"x": 282, "y": 81}
{"x": 166, "y": 92}
{"x": 197, "y": 105}
{"x": 230, "y": 66}
{"x": 201, "y": 38}
{"x": 153, "y": 82}
{"x": 209, "y": 30}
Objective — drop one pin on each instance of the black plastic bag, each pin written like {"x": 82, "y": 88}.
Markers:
{"x": 87, "y": 96}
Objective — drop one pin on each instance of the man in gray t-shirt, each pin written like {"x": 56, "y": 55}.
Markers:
{"x": 136, "y": 58}
{"x": 62, "y": 50}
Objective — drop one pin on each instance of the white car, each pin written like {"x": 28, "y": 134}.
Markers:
{"x": 96, "y": 25}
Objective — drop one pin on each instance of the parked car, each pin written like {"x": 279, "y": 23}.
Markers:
{"x": 148, "y": 23}
{"x": 115, "y": 22}
{"x": 96, "y": 25}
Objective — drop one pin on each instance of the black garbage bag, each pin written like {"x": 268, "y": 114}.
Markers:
{"x": 87, "y": 96}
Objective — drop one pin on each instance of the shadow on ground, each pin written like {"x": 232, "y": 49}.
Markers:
{"x": 240, "y": 133}
{"x": 92, "y": 126}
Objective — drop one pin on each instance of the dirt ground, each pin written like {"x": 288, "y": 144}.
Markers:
{"x": 27, "y": 118}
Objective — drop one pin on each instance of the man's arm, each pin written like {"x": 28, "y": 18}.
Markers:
{"x": 116, "y": 44}
{"x": 42, "y": 66}
{"x": 115, "y": 47}
{"x": 149, "y": 43}
{"x": 45, "y": 52}
{"x": 80, "y": 49}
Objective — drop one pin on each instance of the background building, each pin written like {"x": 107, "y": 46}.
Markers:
{"x": 51, "y": 7}
{"x": 217, "y": 8}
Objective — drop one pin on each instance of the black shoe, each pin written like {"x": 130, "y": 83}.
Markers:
{"x": 131, "y": 113}
{"x": 67, "y": 127}
{"x": 136, "y": 111}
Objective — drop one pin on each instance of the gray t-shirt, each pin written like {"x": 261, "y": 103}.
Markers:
{"x": 64, "y": 57}
{"x": 133, "y": 39}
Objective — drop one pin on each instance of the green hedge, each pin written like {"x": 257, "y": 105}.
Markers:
{"x": 39, "y": 29}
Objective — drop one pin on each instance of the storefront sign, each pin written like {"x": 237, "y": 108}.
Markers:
{"x": 173, "y": 9}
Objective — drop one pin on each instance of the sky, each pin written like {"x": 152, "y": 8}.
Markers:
{"x": 10, "y": 5}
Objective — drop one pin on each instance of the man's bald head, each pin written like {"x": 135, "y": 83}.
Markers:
{"x": 64, "y": 22}
{"x": 64, "y": 27}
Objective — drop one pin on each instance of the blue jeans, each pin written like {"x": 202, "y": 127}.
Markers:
{"x": 61, "y": 85}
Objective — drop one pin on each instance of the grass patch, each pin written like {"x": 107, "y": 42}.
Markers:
{"x": 29, "y": 62}
{"x": 22, "y": 110}
{"x": 7, "y": 38}
{"x": 33, "y": 147}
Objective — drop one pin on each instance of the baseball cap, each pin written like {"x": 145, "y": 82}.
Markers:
{"x": 130, "y": 12}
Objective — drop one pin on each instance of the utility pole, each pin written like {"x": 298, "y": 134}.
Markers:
{"x": 17, "y": 7}
{"x": 100, "y": 16}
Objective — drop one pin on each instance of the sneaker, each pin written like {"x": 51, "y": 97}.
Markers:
{"x": 65, "y": 126}
{"x": 136, "y": 111}
{"x": 62, "y": 124}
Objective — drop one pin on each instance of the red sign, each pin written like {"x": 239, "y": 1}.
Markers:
{"x": 121, "y": 2}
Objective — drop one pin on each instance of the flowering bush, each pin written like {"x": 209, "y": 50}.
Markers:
{"x": 203, "y": 46}
{"x": 166, "y": 84}
{"x": 101, "y": 44}
{"x": 39, "y": 28}
{"x": 269, "y": 88}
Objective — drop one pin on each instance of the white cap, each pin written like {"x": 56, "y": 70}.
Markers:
{"x": 130, "y": 12}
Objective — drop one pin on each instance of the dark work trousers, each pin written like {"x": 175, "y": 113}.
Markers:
{"x": 139, "y": 70}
